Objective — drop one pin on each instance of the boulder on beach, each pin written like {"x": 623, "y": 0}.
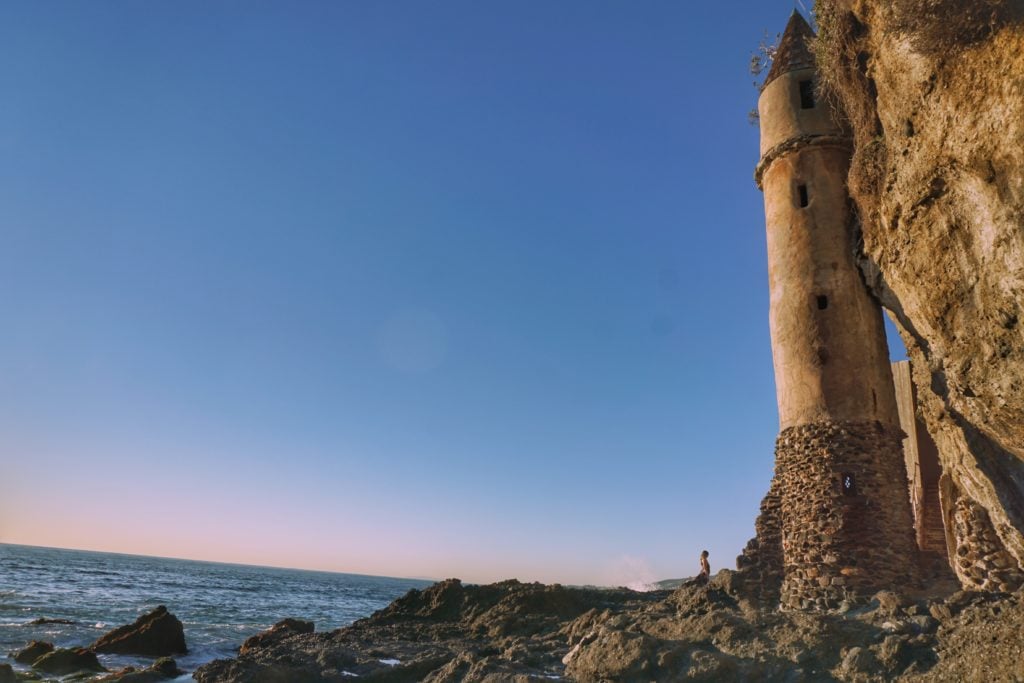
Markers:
{"x": 64, "y": 661}
{"x": 161, "y": 670}
{"x": 156, "y": 634}
{"x": 7, "y": 674}
{"x": 32, "y": 652}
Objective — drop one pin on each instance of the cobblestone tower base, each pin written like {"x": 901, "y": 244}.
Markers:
{"x": 838, "y": 507}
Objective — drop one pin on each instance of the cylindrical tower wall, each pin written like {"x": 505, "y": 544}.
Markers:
{"x": 784, "y": 114}
{"x": 828, "y": 339}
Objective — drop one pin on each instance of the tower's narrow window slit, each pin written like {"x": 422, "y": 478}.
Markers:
{"x": 801, "y": 191}
{"x": 822, "y": 302}
{"x": 807, "y": 94}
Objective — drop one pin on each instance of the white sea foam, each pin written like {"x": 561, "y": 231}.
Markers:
{"x": 632, "y": 572}
{"x": 641, "y": 586}
{"x": 390, "y": 662}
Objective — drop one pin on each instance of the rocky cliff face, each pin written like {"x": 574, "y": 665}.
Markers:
{"x": 934, "y": 90}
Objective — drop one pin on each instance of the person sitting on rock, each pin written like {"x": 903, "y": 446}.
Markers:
{"x": 705, "y": 571}
{"x": 705, "y": 568}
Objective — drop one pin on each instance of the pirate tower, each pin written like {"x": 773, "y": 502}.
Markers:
{"x": 836, "y": 524}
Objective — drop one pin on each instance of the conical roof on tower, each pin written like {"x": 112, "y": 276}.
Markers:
{"x": 794, "y": 51}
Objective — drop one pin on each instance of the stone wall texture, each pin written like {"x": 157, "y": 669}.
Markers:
{"x": 761, "y": 561}
{"x": 981, "y": 563}
{"x": 842, "y": 544}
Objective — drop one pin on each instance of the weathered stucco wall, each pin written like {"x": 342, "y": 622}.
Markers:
{"x": 935, "y": 94}
{"x": 782, "y": 118}
{"x": 828, "y": 342}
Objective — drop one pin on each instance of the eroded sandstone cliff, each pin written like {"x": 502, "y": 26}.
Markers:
{"x": 934, "y": 90}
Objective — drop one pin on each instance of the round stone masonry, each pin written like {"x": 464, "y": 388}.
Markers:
{"x": 845, "y": 515}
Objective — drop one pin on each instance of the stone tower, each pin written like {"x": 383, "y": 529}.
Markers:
{"x": 836, "y": 524}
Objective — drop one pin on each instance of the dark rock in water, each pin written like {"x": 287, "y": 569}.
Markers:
{"x": 46, "y": 620}
{"x": 166, "y": 666}
{"x": 283, "y": 629}
{"x": 7, "y": 674}
{"x": 161, "y": 670}
{"x": 63, "y": 661}
{"x": 32, "y": 652}
{"x": 156, "y": 634}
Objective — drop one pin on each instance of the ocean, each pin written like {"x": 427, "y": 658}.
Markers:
{"x": 220, "y": 605}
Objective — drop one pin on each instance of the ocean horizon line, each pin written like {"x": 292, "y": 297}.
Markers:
{"x": 219, "y": 562}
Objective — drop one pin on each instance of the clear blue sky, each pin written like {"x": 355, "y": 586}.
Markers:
{"x": 421, "y": 289}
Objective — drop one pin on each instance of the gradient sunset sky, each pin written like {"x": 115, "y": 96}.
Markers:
{"x": 430, "y": 289}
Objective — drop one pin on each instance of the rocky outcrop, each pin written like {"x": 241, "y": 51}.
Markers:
{"x": 934, "y": 91}
{"x": 7, "y": 674}
{"x": 156, "y": 634}
{"x": 280, "y": 631}
{"x": 449, "y": 632}
{"x": 720, "y": 631}
{"x": 161, "y": 670}
{"x": 153, "y": 635}
{"x": 64, "y": 661}
{"x": 31, "y": 652}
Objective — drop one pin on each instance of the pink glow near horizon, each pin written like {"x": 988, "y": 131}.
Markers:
{"x": 164, "y": 522}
